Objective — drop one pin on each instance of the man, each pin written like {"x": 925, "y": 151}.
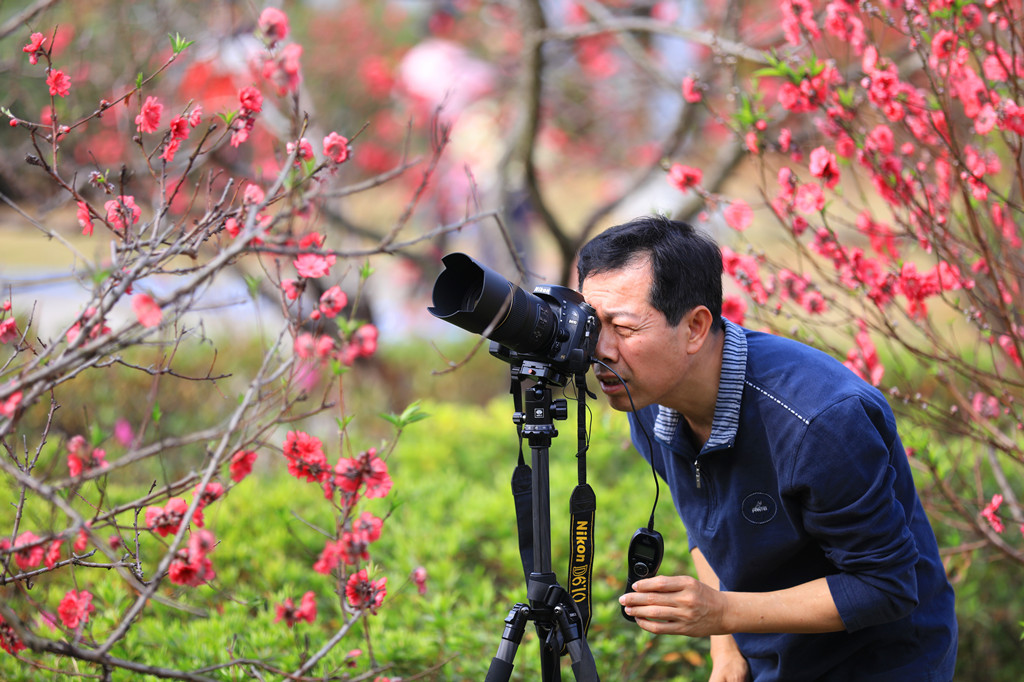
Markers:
{"x": 814, "y": 556}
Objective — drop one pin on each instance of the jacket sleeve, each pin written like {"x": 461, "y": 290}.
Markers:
{"x": 844, "y": 474}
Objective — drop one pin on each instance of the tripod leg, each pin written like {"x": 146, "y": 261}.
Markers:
{"x": 584, "y": 669}
{"x": 515, "y": 626}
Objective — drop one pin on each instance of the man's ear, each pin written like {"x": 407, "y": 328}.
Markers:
{"x": 698, "y": 328}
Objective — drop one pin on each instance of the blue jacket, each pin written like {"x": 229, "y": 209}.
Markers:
{"x": 804, "y": 476}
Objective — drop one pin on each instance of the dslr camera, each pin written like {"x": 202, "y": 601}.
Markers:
{"x": 552, "y": 333}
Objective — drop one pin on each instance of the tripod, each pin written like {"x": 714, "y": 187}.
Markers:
{"x": 550, "y": 607}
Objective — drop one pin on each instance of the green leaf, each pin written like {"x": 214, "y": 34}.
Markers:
{"x": 179, "y": 44}
{"x": 410, "y": 415}
{"x": 252, "y": 284}
{"x": 156, "y": 413}
{"x": 95, "y": 435}
{"x": 343, "y": 422}
{"x": 138, "y": 80}
{"x": 346, "y": 326}
{"x": 365, "y": 271}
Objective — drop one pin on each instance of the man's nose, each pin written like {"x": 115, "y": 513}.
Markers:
{"x": 606, "y": 349}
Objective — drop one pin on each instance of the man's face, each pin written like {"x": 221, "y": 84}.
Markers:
{"x": 635, "y": 340}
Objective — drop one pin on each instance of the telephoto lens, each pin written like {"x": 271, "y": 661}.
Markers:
{"x": 475, "y": 298}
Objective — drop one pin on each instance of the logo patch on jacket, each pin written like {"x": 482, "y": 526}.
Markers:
{"x": 759, "y": 508}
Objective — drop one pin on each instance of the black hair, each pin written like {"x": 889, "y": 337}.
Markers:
{"x": 686, "y": 264}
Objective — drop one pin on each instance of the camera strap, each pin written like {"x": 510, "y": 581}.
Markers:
{"x": 522, "y": 490}
{"x": 582, "y": 509}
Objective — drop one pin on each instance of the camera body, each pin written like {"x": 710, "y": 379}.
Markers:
{"x": 552, "y": 333}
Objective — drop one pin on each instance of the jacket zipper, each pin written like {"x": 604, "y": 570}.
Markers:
{"x": 696, "y": 468}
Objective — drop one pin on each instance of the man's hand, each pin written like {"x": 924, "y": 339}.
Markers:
{"x": 676, "y": 605}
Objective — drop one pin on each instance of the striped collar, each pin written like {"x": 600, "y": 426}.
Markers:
{"x": 730, "y": 394}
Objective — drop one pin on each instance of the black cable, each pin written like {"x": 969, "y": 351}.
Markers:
{"x": 650, "y": 444}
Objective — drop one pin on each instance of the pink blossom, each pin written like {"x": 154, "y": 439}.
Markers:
{"x": 684, "y": 177}
{"x": 273, "y": 24}
{"x": 81, "y": 541}
{"x": 333, "y": 301}
{"x": 843, "y": 24}
{"x": 990, "y": 513}
{"x": 189, "y": 571}
{"x": 58, "y": 82}
{"x": 1006, "y": 342}
{"x": 312, "y": 265}
{"x": 880, "y": 140}
{"x": 8, "y": 330}
{"x": 146, "y": 310}
{"x": 363, "y": 593}
{"x": 284, "y": 71}
{"x": 419, "y": 577}
{"x": 251, "y": 100}
{"x": 291, "y": 291}
{"x": 122, "y": 212}
{"x": 212, "y": 492}
{"x": 362, "y": 345}
{"x": 166, "y": 520}
{"x": 148, "y": 120}
{"x": 75, "y": 607}
{"x": 798, "y": 15}
{"x": 84, "y": 218}
{"x": 9, "y": 641}
{"x": 734, "y": 308}
{"x": 809, "y": 198}
{"x": 305, "y": 455}
{"x": 53, "y": 553}
{"x": 253, "y": 195}
{"x": 738, "y": 215}
{"x": 28, "y": 551}
{"x": 291, "y": 615}
{"x": 241, "y": 464}
{"x": 986, "y": 120}
{"x": 305, "y": 346}
{"x": 34, "y": 47}
{"x": 96, "y": 329}
{"x": 330, "y": 557}
{"x": 303, "y": 150}
{"x": 691, "y": 91}
{"x": 943, "y": 44}
{"x": 823, "y": 165}
{"x": 83, "y": 459}
{"x": 11, "y": 404}
{"x": 863, "y": 360}
{"x": 367, "y": 469}
{"x": 369, "y": 525}
{"x": 180, "y": 130}
{"x": 191, "y": 566}
{"x": 336, "y": 148}
{"x": 123, "y": 432}
{"x": 240, "y": 129}
{"x": 785, "y": 139}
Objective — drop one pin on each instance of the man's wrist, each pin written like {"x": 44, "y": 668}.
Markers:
{"x": 723, "y": 647}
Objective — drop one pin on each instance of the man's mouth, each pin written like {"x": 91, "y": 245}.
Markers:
{"x": 609, "y": 382}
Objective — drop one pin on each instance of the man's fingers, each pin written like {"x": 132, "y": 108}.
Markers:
{"x": 664, "y": 583}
